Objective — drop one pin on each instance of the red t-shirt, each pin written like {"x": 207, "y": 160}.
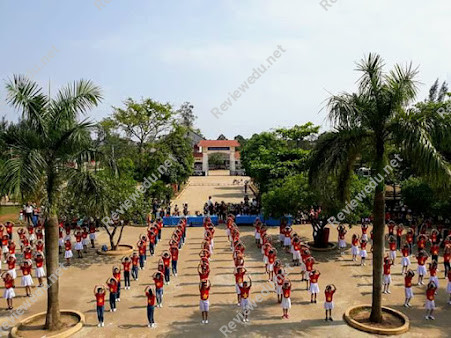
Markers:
{"x": 135, "y": 260}
{"x": 405, "y": 252}
{"x": 239, "y": 276}
{"x": 430, "y": 293}
{"x": 39, "y": 262}
{"x": 100, "y": 299}
{"x": 314, "y": 278}
{"x": 150, "y": 299}
{"x": 166, "y": 261}
{"x": 387, "y": 268}
{"x": 245, "y": 291}
{"x": 26, "y": 270}
{"x": 174, "y": 253}
{"x": 392, "y": 246}
{"x": 422, "y": 260}
{"x": 204, "y": 293}
{"x": 158, "y": 282}
{"x": 286, "y": 292}
{"x": 117, "y": 275}
{"x": 329, "y": 295}
{"x": 126, "y": 265}
{"x": 408, "y": 281}
{"x": 113, "y": 287}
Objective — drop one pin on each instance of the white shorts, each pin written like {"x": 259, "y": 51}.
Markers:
{"x": 271, "y": 267}
{"x": 421, "y": 270}
{"x": 314, "y": 288}
{"x": 78, "y": 246}
{"x": 26, "y": 281}
{"x": 297, "y": 255}
{"x": 435, "y": 280}
{"x": 245, "y": 304}
{"x": 92, "y": 236}
{"x": 40, "y": 272}
{"x": 265, "y": 259}
{"x": 85, "y": 241}
{"x": 354, "y": 250}
{"x": 342, "y": 243}
{"x": 13, "y": 273}
{"x": 430, "y": 304}
{"x": 61, "y": 242}
{"x": 68, "y": 254}
{"x": 5, "y": 249}
{"x": 287, "y": 241}
{"x": 387, "y": 279}
{"x": 278, "y": 289}
{"x": 9, "y": 293}
{"x": 237, "y": 288}
{"x": 408, "y": 292}
{"x": 286, "y": 303}
{"x": 32, "y": 237}
{"x": 328, "y": 305}
{"x": 228, "y": 232}
{"x": 257, "y": 235}
{"x": 392, "y": 254}
{"x": 281, "y": 237}
{"x": 448, "y": 288}
{"x": 204, "y": 305}
{"x": 405, "y": 261}
{"x": 67, "y": 238}
{"x": 365, "y": 237}
{"x": 363, "y": 254}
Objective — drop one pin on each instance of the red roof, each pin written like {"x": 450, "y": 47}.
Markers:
{"x": 218, "y": 143}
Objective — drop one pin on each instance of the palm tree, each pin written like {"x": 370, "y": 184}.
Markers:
{"x": 376, "y": 116}
{"x": 44, "y": 146}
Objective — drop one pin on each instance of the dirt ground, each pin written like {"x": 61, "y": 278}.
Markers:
{"x": 180, "y": 314}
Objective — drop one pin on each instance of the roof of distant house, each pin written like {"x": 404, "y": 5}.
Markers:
{"x": 218, "y": 143}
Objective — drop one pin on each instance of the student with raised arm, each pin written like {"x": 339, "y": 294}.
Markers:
{"x": 329, "y": 304}
{"x": 245, "y": 292}
{"x": 204, "y": 304}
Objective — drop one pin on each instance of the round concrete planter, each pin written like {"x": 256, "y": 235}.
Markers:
{"x": 67, "y": 333}
{"x": 331, "y": 246}
{"x": 367, "y": 327}
{"x": 126, "y": 250}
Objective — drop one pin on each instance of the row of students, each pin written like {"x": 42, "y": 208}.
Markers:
{"x": 203, "y": 268}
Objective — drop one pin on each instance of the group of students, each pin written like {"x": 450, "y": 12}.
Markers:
{"x": 203, "y": 268}
{"x": 302, "y": 257}
{"x": 131, "y": 266}
{"x": 84, "y": 235}
{"x": 405, "y": 244}
{"x": 31, "y": 242}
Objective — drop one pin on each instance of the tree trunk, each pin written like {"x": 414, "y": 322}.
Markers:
{"x": 52, "y": 320}
{"x": 378, "y": 235}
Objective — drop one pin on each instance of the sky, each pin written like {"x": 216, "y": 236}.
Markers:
{"x": 202, "y": 51}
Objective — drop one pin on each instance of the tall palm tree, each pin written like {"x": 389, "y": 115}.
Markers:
{"x": 43, "y": 148}
{"x": 368, "y": 121}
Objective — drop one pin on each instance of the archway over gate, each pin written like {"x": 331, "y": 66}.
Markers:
{"x": 224, "y": 148}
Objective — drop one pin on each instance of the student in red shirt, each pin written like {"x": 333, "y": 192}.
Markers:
{"x": 392, "y": 247}
{"x": 409, "y": 240}
{"x": 408, "y": 287}
{"x": 85, "y": 240}
{"x": 158, "y": 279}
{"x": 434, "y": 251}
{"x": 8, "y": 294}
{"x": 11, "y": 261}
{"x": 166, "y": 257}
{"x": 421, "y": 258}
{"x": 152, "y": 234}
{"x": 405, "y": 261}
{"x": 314, "y": 288}
{"x": 112, "y": 286}
{"x": 399, "y": 230}
{"x": 142, "y": 251}
{"x": 204, "y": 304}
{"x": 286, "y": 298}
{"x": 329, "y": 304}
{"x": 117, "y": 276}
{"x": 135, "y": 262}
{"x": 5, "y": 250}
{"x": 9, "y": 229}
{"x": 92, "y": 234}
{"x": 40, "y": 273}
{"x": 174, "y": 257}
{"x": 387, "y": 275}
{"x": 126, "y": 263}
{"x": 240, "y": 271}
{"x": 363, "y": 253}
{"x": 430, "y": 302}
{"x": 150, "y": 306}
{"x": 433, "y": 273}
{"x": 245, "y": 292}
{"x": 26, "y": 280}
{"x": 446, "y": 259}
{"x": 68, "y": 253}
{"x": 99, "y": 293}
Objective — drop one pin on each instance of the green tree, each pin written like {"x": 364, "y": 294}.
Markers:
{"x": 41, "y": 147}
{"x": 369, "y": 120}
